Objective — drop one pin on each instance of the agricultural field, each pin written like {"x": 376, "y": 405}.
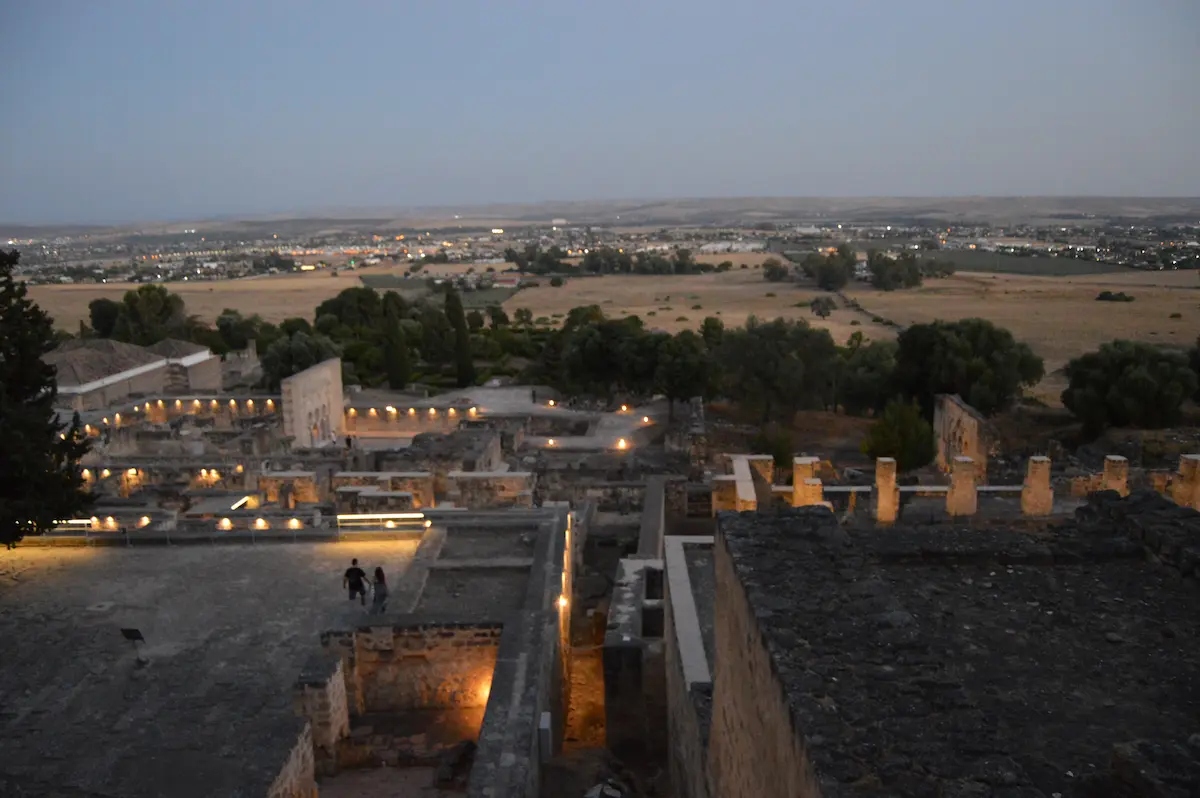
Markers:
{"x": 680, "y": 303}
{"x": 1058, "y": 317}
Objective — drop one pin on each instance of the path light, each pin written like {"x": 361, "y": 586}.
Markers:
{"x": 550, "y": 442}
{"x": 428, "y": 523}
{"x": 390, "y": 524}
{"x": 261, "y": 523}
{"x": 433, "y": 411}
{"x": 352, "y": 412}
{"x": 624, "y": 408}
{"x": 645, "y": 419}
{"x": 178, "y": 404}
{"x": 144, "y": 521}
{"x": 294, "y": 523}
{"x": 452, "y": 411}
{"x": 562, "y": 602}
{"x": 551, "y": 403}
{"x": 225, "y": 524}
{"x": 622, "y": 445}
{"x": 471, "y": 411}
{"x": 195, "y": 403}
{"x": 412, "y": 411}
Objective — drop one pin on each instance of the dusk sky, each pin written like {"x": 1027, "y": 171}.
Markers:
{"x": 137, "y": 111}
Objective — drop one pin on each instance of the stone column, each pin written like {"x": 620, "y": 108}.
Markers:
{"x": 1036, "y": 496}
{"x": 887, "y": 494}
{"x": 962, "y": 498}
{"x": 1186, "y": 490}
{"x": 1116, "y": 474}
{"x": 802, "y": 468}
{"x": 810, "y": 493}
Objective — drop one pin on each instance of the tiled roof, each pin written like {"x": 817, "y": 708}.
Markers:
{"x": 79, "y": 362}
{"x": 174, "y": 348}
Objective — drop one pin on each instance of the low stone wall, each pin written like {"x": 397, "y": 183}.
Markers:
{"x": 654, "y": 518}
{"x": 320, "y": 696}
{"x": 296, "y": 777}
{"x": 634, "y": 689}
{"x": 486, "y": 490}
{"x": 688, "y": 678}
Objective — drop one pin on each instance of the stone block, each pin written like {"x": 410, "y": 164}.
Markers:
{"x": 963, "y": 498}
{"x": 1116, "y": 474}
{"x": 802, "y": 468}
{"x": 811, "y": 492}
{"x": 1186, "y": 490}
{"x": 887, "y": 493}
{"x": 1037, "y": 498}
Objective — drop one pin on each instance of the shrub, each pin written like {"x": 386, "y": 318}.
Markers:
{"x": 855, "y": 323}
{"x": 1128, "y": 384}
{"x": 701, "y": 307}
{"x": 652, "y": 313}
{"x": 1176, "y": 315}
{"x": 776, "y": 442}
{"x": 681, "y": 318}
{"x": 770, "y": 293}
{"x": 556, "y": 282}
{"x": 1109, "y": 296}
{"x": 901, "y": 432}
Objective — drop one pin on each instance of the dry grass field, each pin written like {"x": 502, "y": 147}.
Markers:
{"x": 1058, "y": 317}
{"x": 670, "y": 303}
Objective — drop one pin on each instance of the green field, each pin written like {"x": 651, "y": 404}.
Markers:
{"x": 973, "y": 260}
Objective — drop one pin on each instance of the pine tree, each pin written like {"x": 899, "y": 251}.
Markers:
{"x": 396, "y": 359}
{"x": 40, "y": 457}
{"x": 464, "y": 366}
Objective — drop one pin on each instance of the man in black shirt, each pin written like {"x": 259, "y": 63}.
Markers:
{"x": 356, "y": 579}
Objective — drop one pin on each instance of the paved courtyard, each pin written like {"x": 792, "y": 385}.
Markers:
{"x": 227, "y": 629}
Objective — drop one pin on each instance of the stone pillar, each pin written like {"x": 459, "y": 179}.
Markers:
{"x": 1036, "y": 496}
{"x": 811, "y": 492}
{"x": 1116, "y": 474}
{"x": 962, "y": 498}
{"x": 802, "y": 468}
{"x": 1186, "y": 490}
{"x": 887, "y": 494}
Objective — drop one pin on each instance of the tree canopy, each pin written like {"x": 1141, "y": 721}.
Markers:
{"x": 973, "y": 358}
{"x": 901, "y": 432}
{"x": 40, "y": 457}
{"x": 1128, "y": 384}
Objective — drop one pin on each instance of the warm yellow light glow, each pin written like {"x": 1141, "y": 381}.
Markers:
{"x": 261, "y": 523}
{"x": 105, "y": 419}
{"x": 117, "y": 418}
{"x": 379, "y": 516}
{"x": 62, "y": 436}
{"x": 621, "y": 444}
{"x": 105, "y": 474}
{"x": 132, "y": 472}
{"x": 160, "y": 402}
{"x": 144, "y": 520}
{"x": 428, "y": 523}
{"x": 240, "y": 502}
{"x": 452, "y": 411}
{"x": 624, "y": 408}
{"x": 550, "y": 442}
{"x": 352, "y": 412}
{"x": 391, "y": 409}
{"x": 195, "y": 403}
{"x": 390, "y": 524}
{"x": 239, "y": 468}
{"x": 433, "y": 411}
{"x": 233, "y": 404}
{"x": 95, "y": 522}
{"x": 215, "y": 474}
{"x": 87, "y": 474}
{"x": 471, "y": 411}
{"x": 562, "y": 602}
{"x": 178, "y": 404}
{"x": 295, "y": 524}
{"x": 645, "y": 419}
{"x": 249, "y": 403}
{"x": 225, "y": 524}
{"x": 551, "y": 403}
{"x": 270, "y": 404}
{"x": 137, "y": 408}
{"x": 213, "y": 404}
{"x": 412, "y": 411}
{"x": 372, "y": 412}
{"x": 203, "y": 472}
{"x": 110, "y": 522}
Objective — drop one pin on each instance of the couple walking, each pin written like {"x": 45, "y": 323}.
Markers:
{"x": 356, "y": 580}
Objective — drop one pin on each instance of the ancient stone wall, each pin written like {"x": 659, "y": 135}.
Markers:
{"x": 205, "y": 375}
{"x": 296, "y": 777}
{"x": 312, "y": 405}
{"x": 282, "y": 486}
{"x": 320, "y": 696}
{"x": 754, "y": 749}
{"x": 961, "y": 431}
{"x": 426, "y": 667}
{"x": 484, "y": 490}
{"x": 688, "y": 680}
